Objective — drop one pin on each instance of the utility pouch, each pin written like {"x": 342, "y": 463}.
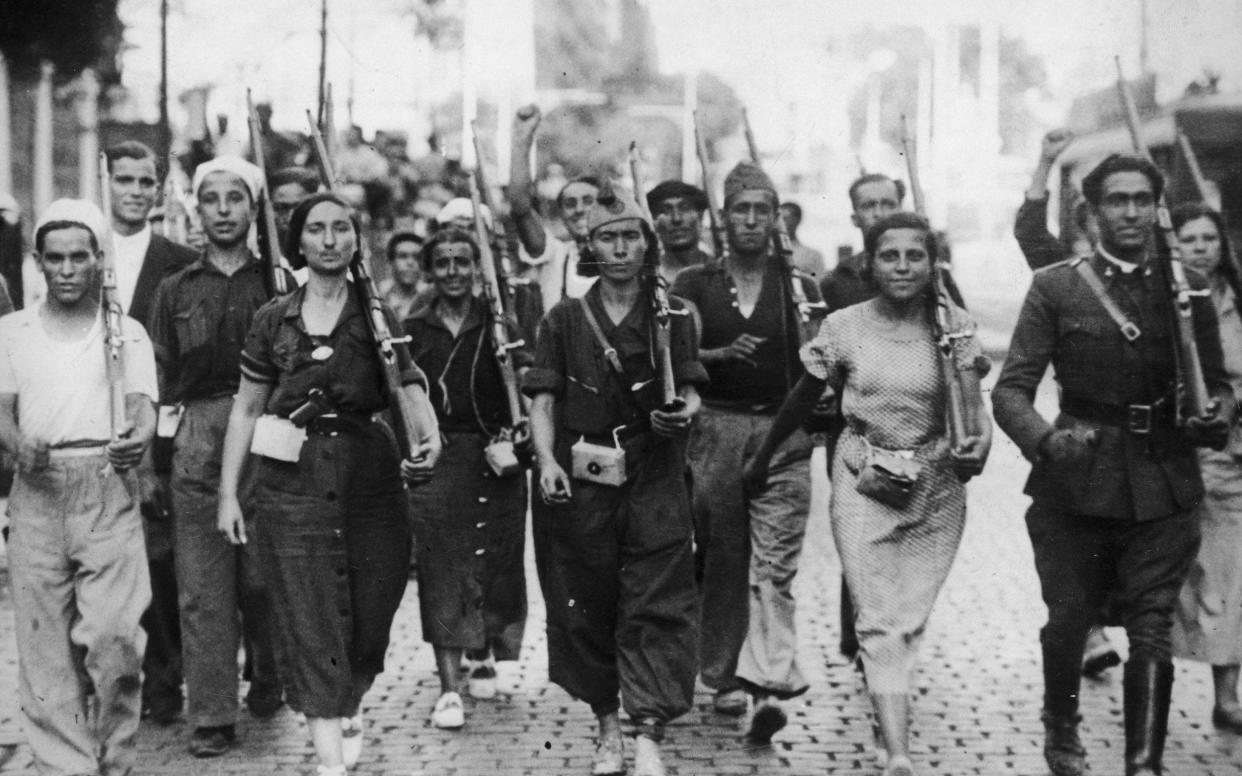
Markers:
{"x": 888, "y": 476}
{"x": 502, "y": 458}
{"x": 600, "y": 464}
{"x": 169, "y": 420}
{"x": 277, "y": 438}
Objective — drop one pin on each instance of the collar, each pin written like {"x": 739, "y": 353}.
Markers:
{"x": 201, "y": 264}
{"x": 633, "y": 318}
{"x": 142, "y": 236}
{"x": 429, "y": 314}
{"x": 1124, "y": 267}
{"x": 293, "y": 307}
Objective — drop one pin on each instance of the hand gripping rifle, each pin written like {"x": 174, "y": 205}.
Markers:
{"x": 713, "y": 207}
{"x": 392, "y": 350}
{"x": 110, "y": 302}
{"x": 943, "y": 322}
{"x": 1195, "y": 400}
{"x": 662, "y": 312}
{"x": 269, "y": 237}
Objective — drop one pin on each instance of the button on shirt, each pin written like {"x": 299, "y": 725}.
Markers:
{"x": 199, "y": 325}
{"x": 280, "y": 352}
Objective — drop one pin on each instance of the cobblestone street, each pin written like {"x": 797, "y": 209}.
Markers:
{"x": 977, "y": 709}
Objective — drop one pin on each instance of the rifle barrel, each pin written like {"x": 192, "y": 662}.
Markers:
{"x": 114, "y": 341}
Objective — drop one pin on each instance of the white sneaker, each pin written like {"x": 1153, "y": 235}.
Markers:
{"x": 508, "y": 677}
{"x": 351, "y": 740}
{"x": 482, "y": 680}
{"x": 449, "y": 713}
{"x": 330, "y": 770}
{"x": 647, "y": 760}
{"x": 609, "y": 757}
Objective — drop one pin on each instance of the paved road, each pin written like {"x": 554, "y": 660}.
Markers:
{"x": 976, "y": 710}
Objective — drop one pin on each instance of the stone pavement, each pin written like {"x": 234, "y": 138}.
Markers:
{"x": 976, "y": 710}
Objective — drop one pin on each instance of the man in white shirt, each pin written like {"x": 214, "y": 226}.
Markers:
{"x": 76, "y": 557}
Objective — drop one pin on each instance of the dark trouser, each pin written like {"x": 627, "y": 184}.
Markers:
{"x": 215, "y": 578}
{"x": 1083, "y": 561}
{"x": 336, "y": 551}
{"x": 161, "y": 663}
{"x": 619, "y": 588}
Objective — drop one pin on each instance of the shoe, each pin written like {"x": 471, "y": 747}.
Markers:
{"x": 264, "y": 700}
{"x": 609, "y": 757}
{"x": 163, "y": 710}
{"x": 351, "y": 740}
{"x": 899, "y": 765}
{"x": 647, "y": 760}
{"x": 449, "y": 713}
{"x": 508, "y": 677}
{"x": 212, "y": 741}
{"x": 331, "y": 770}
{"x": 482, "y": 681}
{"x": 767, "y": 719}
{"x": 731, "y": 702}
{"x": 1227, "y": 719}
{"x": 1148, "y": 688}
{"x": 1063, "y": 750}
{"x": 1099, "y": 655}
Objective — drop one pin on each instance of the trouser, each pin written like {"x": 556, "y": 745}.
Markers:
{"x": 1083, "y": 561}
{"x": 79, "y": 579}
{"x": 619, "y": 588}
{"x": 215, "y": 579}
{"x": 161, "y": 664}
{"x": 749, "y": 545}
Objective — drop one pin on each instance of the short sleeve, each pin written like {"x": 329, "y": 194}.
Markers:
{"x": 822, "y": 356}
{"x": 547, "y": 375}
{"x": 163, "y": 334}
{"x": 257, "y": 364}
{"x": 140, "y": 375}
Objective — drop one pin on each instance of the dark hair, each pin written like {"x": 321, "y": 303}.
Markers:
{"x": 297, "y": 222}
{"x": 899, "y": 220}
{"x": 401, "y": 237}
{"x": 793, "y": 207}
{"x": 303, "y": 177}
{"x": 447, "y": 235}
{"x": 588, "y": 262}
{"x": 877, "y": 177}
{"x": 1093, "y": 184}
{"x": 1193, "y": 211}
{"x": 132, "y": 149}
{"x": 590, "y": 180}
{"x": 55, "y": 226}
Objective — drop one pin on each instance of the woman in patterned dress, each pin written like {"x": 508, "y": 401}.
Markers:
{"x": 1208, "y": 624}
{"x": 881, "y": 358}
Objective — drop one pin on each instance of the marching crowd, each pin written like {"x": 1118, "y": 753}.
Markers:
{"x": 265, "y": 487}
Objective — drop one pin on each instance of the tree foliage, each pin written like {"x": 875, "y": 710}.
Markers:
{"x": 71, "y": 34}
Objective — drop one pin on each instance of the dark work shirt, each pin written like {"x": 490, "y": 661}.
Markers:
{"x": 465, "y": 386}
{"x": 844, "y": 286}
{"x": 280, "y": 352}
{"x": 1030, "y": 228}
{"x": 570, "y": 364}
{"x": 777, "y": 367}
{"x": 199, "y": 321}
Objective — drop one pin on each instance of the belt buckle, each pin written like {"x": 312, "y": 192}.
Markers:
{"x": 1139, "y": 418}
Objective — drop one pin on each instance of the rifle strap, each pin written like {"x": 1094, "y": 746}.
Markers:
{"x": 610, "y": 352}
{"x": 1128, "y": 329}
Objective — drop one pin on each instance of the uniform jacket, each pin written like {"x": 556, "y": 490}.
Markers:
{"x": 1062, "y": 323}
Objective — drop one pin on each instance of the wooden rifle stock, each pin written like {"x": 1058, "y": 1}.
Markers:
{"x": 392, "y": 350}
{"x": 110, "y": 304}
{"x": 494, "y": 295}
{"x": 713, "y": 207}
{"x": 500, "y": 238}
{"x": 269, "y": 236}
{"x": 1190, "y": 366}
{"x": 942, "y": 304}
{"x": 662, "y": 312}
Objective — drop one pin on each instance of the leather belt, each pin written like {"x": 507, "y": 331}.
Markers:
{"x": 339, "y": 423}
{"x": 1139, "y": 419}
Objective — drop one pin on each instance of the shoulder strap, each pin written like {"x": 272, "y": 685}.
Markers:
{"x": 1128, "y": 329}
{"x": 609, "y": 351}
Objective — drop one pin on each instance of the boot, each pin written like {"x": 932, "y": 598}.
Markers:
{"x": 1062, "y": 748}
{"x": 1148, "y": 688}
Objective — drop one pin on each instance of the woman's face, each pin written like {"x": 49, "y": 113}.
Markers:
{"x": 452, "y": 269}
{"x": 328, "y": 240}
{"x": 620, "y": 248}
{"x": 1200, "y": 241}
{"x": 901, "y": 266}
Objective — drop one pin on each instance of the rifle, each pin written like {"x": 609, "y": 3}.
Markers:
{"x": 942, "y": 318}
{"x": 114, "y": 340}
{"x": 269, "y": 237}
{"x": 662, "y": 312}
{"x": 176, "y": 226}
{"x": 392, "y": 350}
{"x": 713, "y": 207}
{"x": 494, "y": 296}
{"x": 500, "y": 237}
{"x": 1205, "y": 196}
{"x": 1194, "y": 390}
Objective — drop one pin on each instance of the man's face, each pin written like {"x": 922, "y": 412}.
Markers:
{"x": 749, "y": 219}
{"x": 791, "y": 218}
{"x": 677, "y": 221}
{"x": 225, "y": 208}
{"x": 132, "y": 186}
{"x": 405, "y": 258}
{"x": 69, "y": 264}
{"x": 620, "y": 248}
{"x": 284, "y": 199}
{"x": 1126, "y": 212}
{"x": 873, "y": 201}
{"x": 576, "y": 201}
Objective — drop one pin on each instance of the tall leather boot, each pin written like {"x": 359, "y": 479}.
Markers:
{"x": 1148, "y": 688}
{"x": 1063, "y": 750}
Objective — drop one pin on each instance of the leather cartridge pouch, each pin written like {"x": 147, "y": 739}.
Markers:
{"x": 501, "y": 458}
{"x": 277, "y": 438}
{"x": 600, "y": 464}
{"x": 888, "y": 476}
